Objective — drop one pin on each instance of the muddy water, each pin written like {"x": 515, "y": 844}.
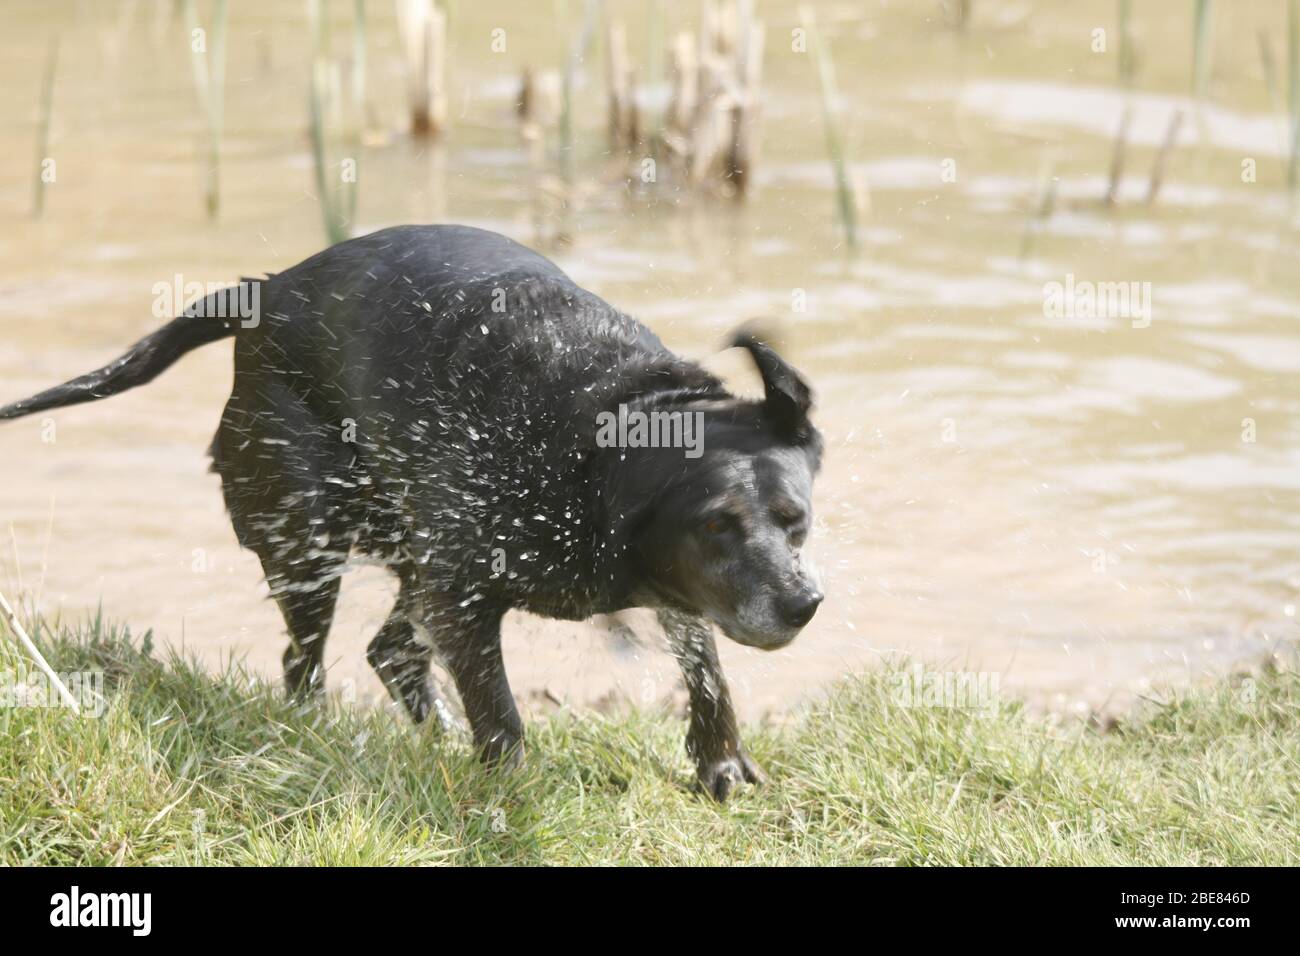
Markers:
{"x": 1073, "y": 502}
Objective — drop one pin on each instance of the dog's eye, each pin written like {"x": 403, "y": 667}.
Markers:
{"x": 787, "y": 517}
{"x": 718, "y": 524}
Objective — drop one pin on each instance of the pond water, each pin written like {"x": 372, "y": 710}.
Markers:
{"x": 1082, "y": 502}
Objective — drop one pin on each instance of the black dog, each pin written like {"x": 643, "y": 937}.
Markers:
{"x": 443, "y": 399}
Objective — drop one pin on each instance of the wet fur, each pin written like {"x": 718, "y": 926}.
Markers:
{"x": 428, "y": 395}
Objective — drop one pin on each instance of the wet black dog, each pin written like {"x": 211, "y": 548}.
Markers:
{"x": 449, "y": 402}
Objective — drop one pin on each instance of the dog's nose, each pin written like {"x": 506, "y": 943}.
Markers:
{"x": 799, "y": 610}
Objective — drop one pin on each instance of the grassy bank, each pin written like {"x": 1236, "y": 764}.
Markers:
{"x": 186, "y": 767}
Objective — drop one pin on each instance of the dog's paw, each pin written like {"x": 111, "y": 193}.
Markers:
{"x": 719, "y": 777}
{"x": 504, "y": 753}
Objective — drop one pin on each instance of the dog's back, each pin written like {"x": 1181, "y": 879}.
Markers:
{"x": 433, "y": 389}
{"x": 430, "y": 395}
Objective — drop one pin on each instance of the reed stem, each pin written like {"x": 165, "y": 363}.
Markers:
{"x": 1203, "y": 39}
{"x": 358, "y": 103}
{"x": 209, "y": 66}
{"x": 1044, "y": 204}
{"x": 830, "y": 116}
{"x": 318, "y": 94}
{"x": 1162, "y": 157}
{"x": 1293, "y": 93}
{"x": 43, "y": 126}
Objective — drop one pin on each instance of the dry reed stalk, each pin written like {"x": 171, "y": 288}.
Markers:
{"x": 1162, "y": 157}
{"x": 683, "y": 100}
{"x": 1044, "y": 204}
{"x": 707, "y": 132}
{"x": 623, "y": 134}
{"x": 422, "y": 29}
{"x": 1117, "y": 157}
{"x": 744, "y": 139}
{"x": 29, "y": 645}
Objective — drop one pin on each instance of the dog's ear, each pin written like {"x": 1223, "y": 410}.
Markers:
{"x": 787, "y": 396}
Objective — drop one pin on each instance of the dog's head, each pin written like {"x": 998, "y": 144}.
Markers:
{"x": 721, "y": 534}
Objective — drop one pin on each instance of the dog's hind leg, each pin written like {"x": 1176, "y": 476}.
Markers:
{"x": 307, "y": 603}
{"x": 713, "y": 738}
{"x": 304, "y": 580}
{"x": 273, "y": 460}
{"x": 400, "y": 656}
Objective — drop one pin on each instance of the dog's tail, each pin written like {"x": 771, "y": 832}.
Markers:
{"x": 142, "y": 362}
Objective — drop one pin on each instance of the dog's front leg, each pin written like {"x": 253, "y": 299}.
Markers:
{"x": 713, "y": 738}
{"x": 469, "y": 644}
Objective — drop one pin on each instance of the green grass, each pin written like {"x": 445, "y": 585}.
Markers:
{"x": 187, "y": 767}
